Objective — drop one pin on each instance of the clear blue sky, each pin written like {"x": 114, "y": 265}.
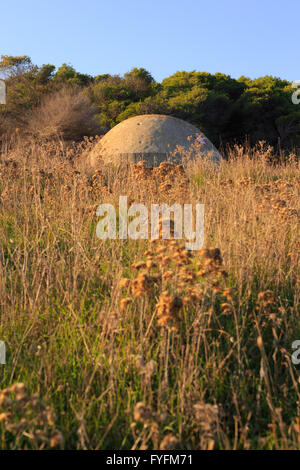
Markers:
{"x": 236, "y": 37}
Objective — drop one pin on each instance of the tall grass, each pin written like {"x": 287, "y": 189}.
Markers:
{"x": 101, "y": 354}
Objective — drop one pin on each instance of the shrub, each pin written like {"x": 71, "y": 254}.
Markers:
{"x": 67, "y": 113}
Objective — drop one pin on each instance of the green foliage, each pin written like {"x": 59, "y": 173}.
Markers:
{"x": 141, "y": 74}
{"x": 226, "y": 109}
{"x": 67, "y": 74}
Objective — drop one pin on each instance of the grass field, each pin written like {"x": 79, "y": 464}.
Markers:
{"x": 133, "y": 344}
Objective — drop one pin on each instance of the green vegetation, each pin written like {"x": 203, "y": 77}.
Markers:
{"x": 227, "y": 110}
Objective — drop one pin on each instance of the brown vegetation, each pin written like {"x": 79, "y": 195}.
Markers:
{"x": 67, "y": 113}
{"x": 137, "y": 344}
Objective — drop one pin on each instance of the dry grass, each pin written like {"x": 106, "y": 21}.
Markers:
{"x": 133, "y": 344}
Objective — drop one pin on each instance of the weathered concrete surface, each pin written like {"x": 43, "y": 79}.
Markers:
{"x": 153, "y": 138}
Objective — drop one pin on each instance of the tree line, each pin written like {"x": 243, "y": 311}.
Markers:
{"x": 227, "y": 110}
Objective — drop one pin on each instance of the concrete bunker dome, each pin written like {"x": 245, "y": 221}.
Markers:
{"x": 153, "y": 138}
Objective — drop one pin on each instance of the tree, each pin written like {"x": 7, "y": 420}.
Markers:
{"x": 67, "y": 74}
{"x": 11, "y": 66}
{"x": 141, "y": 74}
{"x": 224, "y": 108}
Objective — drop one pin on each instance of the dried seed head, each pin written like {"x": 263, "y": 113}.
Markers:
{"x": 124, "y": 282}
{"x": 124, "y": 303}
{"x": 56, "y": 439}
{"x": 142, "y": 412}
{"x": 170, "y": 442}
